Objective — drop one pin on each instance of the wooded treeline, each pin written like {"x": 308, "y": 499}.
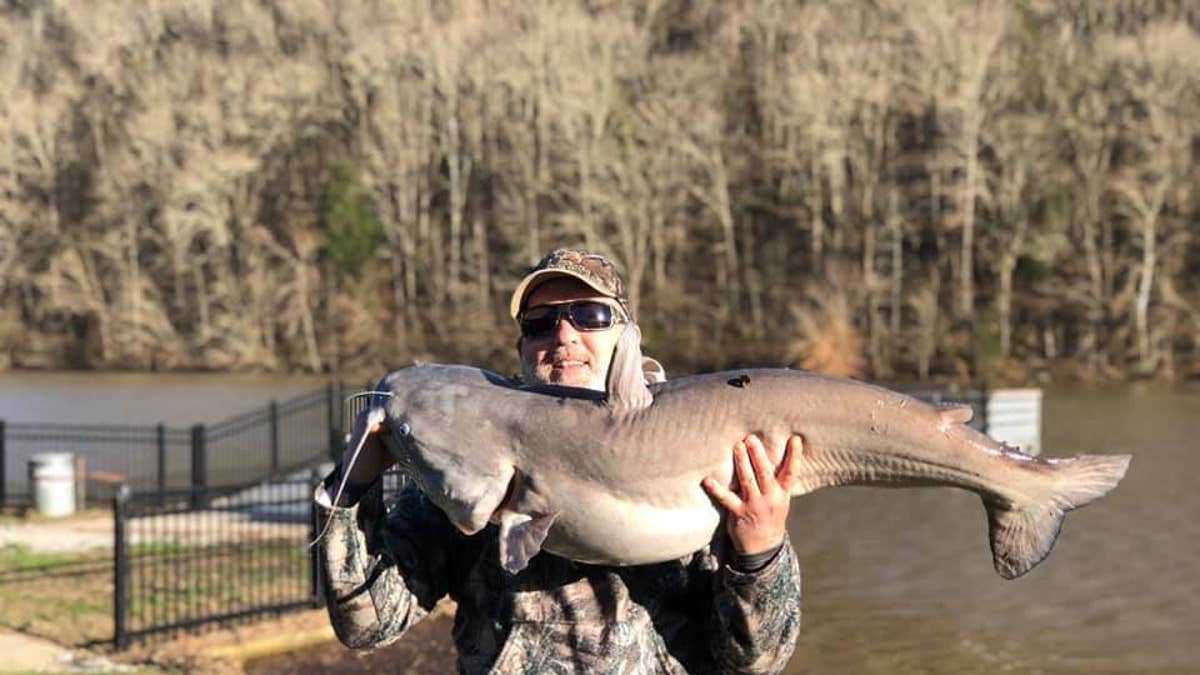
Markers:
{"x": 910, "y": 189}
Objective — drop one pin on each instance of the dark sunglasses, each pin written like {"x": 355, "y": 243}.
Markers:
{"x": 585, "y": 315}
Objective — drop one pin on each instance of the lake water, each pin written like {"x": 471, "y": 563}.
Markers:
{"x": 895, "y": 581}
{"x": 902, "y": 582}
{"x": 142, "y": 398}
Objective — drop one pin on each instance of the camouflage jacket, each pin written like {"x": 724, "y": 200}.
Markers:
{"x": 384, "y": 571}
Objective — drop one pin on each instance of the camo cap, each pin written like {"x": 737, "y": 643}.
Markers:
{"x": 592, "y": 269}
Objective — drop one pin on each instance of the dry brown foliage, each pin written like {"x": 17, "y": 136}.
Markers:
{"x": 830, "y": 343}
{"x": 1029, "y": 169}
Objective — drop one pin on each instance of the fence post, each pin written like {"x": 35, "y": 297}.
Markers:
{"x": 120, "y": 568}
{"x": 3, "y": 478}
{"x": 273, "y": 416}
{"x": 162, "y": 463}
{"x": 314, "y": 529}
{"x": 335, "y": 422}
{"x": 986, "y": 395}
{"x": 199, "y": 466}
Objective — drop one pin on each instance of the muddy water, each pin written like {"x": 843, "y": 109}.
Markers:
{"x": 141, "y": 398}
{"x": 901, "y": 581}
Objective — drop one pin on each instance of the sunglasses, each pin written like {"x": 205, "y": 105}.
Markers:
{"x": 585, "y": 315}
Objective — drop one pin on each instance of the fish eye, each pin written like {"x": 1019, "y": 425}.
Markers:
{"x": 401, "y": 430}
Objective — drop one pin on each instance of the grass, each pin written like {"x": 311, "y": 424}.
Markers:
{"x": 15, "y": 557}
{"x": 167, "y": 582}
{"x": 75, "y": 610}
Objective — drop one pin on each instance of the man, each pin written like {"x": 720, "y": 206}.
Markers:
{"x": 731, "y": 607}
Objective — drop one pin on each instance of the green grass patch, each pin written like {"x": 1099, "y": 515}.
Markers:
{"x": 19, "y": 556}
{"x": 168, "y": 582}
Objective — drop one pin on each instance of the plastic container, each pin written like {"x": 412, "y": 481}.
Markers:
{"x": 53, "y": 478}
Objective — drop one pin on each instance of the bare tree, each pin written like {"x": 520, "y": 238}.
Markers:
{"x": 1160, "y": 79}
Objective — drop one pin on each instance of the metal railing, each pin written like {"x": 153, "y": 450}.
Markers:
{"x": 280, "y": 438}
{"x": 241, "y": 553}
{"x": 209, "y": 556}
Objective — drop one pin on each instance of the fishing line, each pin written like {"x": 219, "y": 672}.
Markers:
{"x": 374, "y": 416}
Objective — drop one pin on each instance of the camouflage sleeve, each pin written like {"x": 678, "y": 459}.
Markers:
{"x": 756, "y": 615}
{"x": 382, "y": 571}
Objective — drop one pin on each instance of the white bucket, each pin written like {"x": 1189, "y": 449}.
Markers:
{"x": 53, "y": 478}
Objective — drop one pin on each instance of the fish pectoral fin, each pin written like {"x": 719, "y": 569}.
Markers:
{"x": 627, "y": 388}
{"x": 521, "y": 538}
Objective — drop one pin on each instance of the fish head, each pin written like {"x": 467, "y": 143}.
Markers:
{"x": 442, "y": 433}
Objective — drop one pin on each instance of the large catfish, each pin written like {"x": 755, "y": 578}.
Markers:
{"x": 615, "y": 477}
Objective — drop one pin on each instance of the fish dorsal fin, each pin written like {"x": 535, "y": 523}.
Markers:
{"x": 955, "y": 413}
{"x": 627, "y": 388}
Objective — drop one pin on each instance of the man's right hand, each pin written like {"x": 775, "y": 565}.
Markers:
{"x": 372, "y": 460}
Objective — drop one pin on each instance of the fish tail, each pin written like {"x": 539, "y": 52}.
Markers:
{"x": 1022, "y": 537}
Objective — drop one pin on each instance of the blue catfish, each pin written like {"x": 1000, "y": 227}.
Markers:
{"x": 614, "y": 477}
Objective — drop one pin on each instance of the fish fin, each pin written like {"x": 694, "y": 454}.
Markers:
{"x": 521, "y": 538}
{"x": 955, "y": 413}
{"x": 627, "y": 388}
{"x": 1022, "y": 538}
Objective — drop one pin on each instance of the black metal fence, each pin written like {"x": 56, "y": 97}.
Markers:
{"x": 199, "y": 556}
{"x": 272, "y": 441}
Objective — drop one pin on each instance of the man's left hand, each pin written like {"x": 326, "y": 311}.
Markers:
{"x": 757, "y": 520}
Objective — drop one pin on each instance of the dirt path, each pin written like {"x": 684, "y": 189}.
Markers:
{"x": 86, "y": 531}
{"x": 425, "y": 650}
{"x": 195, "y": 528}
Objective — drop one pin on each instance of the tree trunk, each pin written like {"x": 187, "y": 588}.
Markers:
{"x": 459, "y": 173}
{"x": 752, "y": 274}
{"x": 1008, "y": 262}
{"x": 483, "y": 289}
{"x": 729, "y": 247}
{"x": 897, "y": 230}
{"x": 1145, "y": 285}
{"x": 966, "y": 286}
{"x": 816, "y": 214}
{"x": 868, "y": 280}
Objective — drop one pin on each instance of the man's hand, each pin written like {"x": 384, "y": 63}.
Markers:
{"x": 758, "y": 511}
{"x": 372, "y": 460}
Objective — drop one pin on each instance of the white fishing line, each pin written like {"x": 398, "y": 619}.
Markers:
{"x": 374, "y": 416}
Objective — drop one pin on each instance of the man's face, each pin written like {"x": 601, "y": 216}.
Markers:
{"x": 566, "y": 355}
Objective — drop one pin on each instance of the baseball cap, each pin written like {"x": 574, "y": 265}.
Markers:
{"x": 592, "y": 269}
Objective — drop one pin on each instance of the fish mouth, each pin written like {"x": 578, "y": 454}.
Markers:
{"x": 505, "y": 504}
